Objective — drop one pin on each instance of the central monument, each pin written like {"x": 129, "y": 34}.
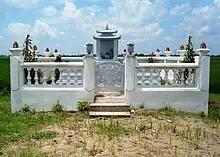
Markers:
{"x": 107, "y": 44}
{"x": 109, "y": 70}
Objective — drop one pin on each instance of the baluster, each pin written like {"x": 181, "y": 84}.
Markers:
{"x": 60, "y": 81}
{"x": 174, "y": 77}
{"x": 53, "y": 76}
{"x": 166, "y": 76}
{"x": 29, "y": 76}
{"x": 191, "y": 78}
{"x": 68, "y": 78}
{"x": 151, "y": 77}
{"x": 44, "y": 77}
{"x": 182, "y": 77}
{"x": 35, "y": 77}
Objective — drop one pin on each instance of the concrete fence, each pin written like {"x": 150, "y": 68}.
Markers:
{"x": 166, "y": 82}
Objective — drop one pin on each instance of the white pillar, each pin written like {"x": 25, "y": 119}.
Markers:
{"x": 16, "y": 78}
{"x": 115, "y": 49}
{"x": 204, "y": 79}
{"x": 130, "y": 64}
{"x": 89, "y": 73}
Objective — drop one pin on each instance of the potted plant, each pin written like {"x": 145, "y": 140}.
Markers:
{"x": 181, "y": 51}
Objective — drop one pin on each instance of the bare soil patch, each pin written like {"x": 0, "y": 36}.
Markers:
{"x": 146, "y": 133}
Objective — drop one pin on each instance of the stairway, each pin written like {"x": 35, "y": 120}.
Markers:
{"x": 109, "y": 104}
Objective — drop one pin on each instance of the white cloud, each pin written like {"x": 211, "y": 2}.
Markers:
{"x": 49, "y": 11}
{"x": 180, "y": 9}
{"x": 18, "y": 29}
{"x": 70, "y": 11}
{"x": 20, "y": 3}
{"x": 204, "y": 29}
{"x": 40, "y": 29}
{"x": 1, "y": 37}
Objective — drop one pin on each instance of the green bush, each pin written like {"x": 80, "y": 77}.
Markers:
{"x": 57, "y": 107}
{"x": 82, "y": 106}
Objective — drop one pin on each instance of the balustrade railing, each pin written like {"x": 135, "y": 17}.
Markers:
{"x": 53, "y": 74}
{"x": 150, "y": 75}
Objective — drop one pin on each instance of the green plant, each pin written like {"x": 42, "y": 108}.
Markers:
{"x": 44, "y": 135}
{"x": 190, "y": 54}
{"x": 111, "y": 129}
{"x": 26, "y": 108}
{"x": 57, "y": 107}
{"x": 29, "y": 51}
{"x": 82, "y": 106}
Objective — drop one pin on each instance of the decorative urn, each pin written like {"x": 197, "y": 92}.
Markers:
{"x": 47, "y": 52}
{"x": 181, "y": 51}
{"x": 89, "y": 48}
{"x": 202, "y": 51}
{"x": 130, "y": 48}
{"x": 157, "y": 53}
{"x": 167, "y": 52}
{"x": 56, "y": 53}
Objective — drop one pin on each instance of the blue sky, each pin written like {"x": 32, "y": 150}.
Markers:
{"x": 150, "y": 24}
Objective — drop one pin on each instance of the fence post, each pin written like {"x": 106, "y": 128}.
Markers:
{"x": 16, "y": 78}
{"x": 130, "y": 63}
{"x": 89, "y": 73}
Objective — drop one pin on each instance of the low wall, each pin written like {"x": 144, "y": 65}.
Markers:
{"x": 40, "y": 85}
{"x": 189, "y": 94}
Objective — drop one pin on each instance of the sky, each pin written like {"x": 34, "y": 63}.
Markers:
{"x": 67, "y": 25}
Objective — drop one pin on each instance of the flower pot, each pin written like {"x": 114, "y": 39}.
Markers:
{"x": 181, "y": 52}
{"x": 168, "y": 53}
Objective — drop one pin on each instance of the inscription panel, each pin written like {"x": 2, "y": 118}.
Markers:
{"x": 109, "y": 75}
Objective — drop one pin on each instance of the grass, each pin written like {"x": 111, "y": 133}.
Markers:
{"x": 146, "y": 133}
{"x": 24, "y": 126}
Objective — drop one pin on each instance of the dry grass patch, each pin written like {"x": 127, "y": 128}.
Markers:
{"x": 146, "y": 133}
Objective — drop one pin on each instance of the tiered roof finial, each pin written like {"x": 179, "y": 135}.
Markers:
{"x": 107, "y": 27}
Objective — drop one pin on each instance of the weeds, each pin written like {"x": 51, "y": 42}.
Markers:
{"x": 82, "y": 106}
{"x": 112, "y": 129}
{"x": 57, "y": 108}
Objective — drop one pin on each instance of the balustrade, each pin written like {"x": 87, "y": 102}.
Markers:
{"x": 45, "y": 75}
{"x": 165, "y": 77}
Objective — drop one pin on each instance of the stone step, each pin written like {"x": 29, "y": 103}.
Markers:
{"x": 110, "y": 114}
{"x": 109, "y": 107}
{"x": 108, "y": 99}
{"x": 103, "y": 94}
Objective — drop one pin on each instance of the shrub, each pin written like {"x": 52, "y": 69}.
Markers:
{"x": 26, "y": 108}
{"x": 82, "y": 106}
{"x": 57, "y": 107}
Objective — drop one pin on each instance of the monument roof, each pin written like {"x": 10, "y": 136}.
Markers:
{"x": 107, "y": 30}
{"x": 107, "y": 37}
